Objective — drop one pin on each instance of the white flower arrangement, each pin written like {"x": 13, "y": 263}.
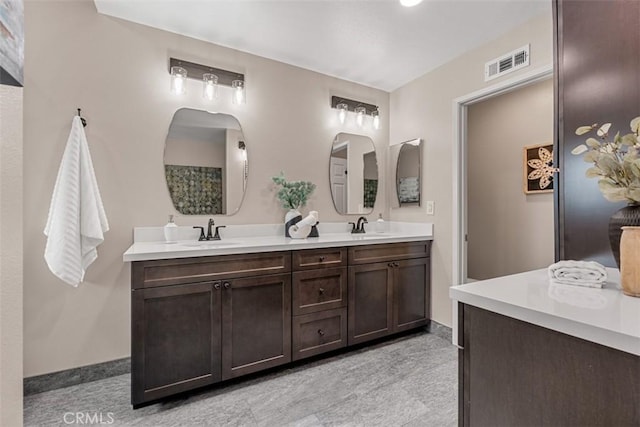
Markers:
{"x": 616, "y": 162}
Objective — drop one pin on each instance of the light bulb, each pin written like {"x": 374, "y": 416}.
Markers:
{"x": 410, "y": 3}
{"x": 342, "y": 112}
{"x": 209, "y": 86}
{"x": 178, "y": 80}
{"x": 376, "y": 119}
{"x": 239, "y": 96}
{"x": 360, "y": 112}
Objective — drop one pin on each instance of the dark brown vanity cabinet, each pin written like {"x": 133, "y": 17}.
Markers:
{"x": 389, "y": 289}
{"x": 319, "y": 301}
{"x": 195, "y": 322}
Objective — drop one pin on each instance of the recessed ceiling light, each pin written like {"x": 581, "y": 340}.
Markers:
{"x": 410, "y": 3}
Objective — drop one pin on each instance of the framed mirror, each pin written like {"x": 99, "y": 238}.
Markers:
{"x": 353, "y": 174}
{"x": 408, "y": 172}
{"x": 205, "y": 163}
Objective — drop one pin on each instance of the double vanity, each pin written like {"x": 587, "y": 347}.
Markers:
{"x": 205, "y": 312}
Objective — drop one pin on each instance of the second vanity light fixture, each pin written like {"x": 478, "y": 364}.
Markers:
{"x": 211, "y": 78}
{"x": 361, "y": 110}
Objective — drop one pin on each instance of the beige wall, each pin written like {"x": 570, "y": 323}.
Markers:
{"x": 117, "y": 73}
{"x": 509, "y": 231}
{"x": 195, "y": 152}
{"x": 11, "y": 255}
{"x": 423, "y": 109}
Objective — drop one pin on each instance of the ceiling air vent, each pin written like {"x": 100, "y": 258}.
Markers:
{"x": 505, "y": 64}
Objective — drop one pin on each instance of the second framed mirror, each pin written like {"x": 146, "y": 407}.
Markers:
{"x": 409, "y": 172}
{"x": 353, "y": 174}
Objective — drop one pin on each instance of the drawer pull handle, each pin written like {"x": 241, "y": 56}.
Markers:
{"x": 390, "y": 264}
{"x": 321, "y": 291}
{"x": 216, "y": 285}
{"x": 322, "y": 259}
{"x": 320, "y": 332}
{"x": 395, "y": 264}
{"x": 226, "y": 285}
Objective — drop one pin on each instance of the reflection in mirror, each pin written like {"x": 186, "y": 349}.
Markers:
{"x": 353, "y": 174}
{"x": 205, "y": 163}
{"x": 408, "y": 173}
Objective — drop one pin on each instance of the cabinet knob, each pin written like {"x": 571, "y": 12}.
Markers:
{"x": 216, "y": 285}
{"x": 395, "y": 264}
{"x": 226, "y": 285}
{"x": 390, "y": 264}
{"x": 322, "y": 259}
{"x": 320, "y": 332}
{"x": 321, "y": 291}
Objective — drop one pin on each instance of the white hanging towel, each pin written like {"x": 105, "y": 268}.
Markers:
{"x": 77, "y": 220}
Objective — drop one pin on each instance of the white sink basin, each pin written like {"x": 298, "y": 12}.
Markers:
{"x": 372, "y": 236}
{"x": 211, "y": 244}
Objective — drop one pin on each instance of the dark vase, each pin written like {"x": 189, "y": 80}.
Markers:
{"x": 627, "y": 216}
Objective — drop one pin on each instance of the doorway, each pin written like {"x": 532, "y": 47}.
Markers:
{"x": 460, "y": 161}
{"x": 510, "y": 224}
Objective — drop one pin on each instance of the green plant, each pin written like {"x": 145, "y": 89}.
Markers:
{"x": 616, "y": 162}
{"x": 293, "y": 194}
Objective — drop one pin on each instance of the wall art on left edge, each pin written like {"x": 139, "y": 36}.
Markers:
{"x": 11, "y": 42}
{"x": 538, "y": 168}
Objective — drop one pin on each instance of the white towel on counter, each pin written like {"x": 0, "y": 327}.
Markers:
{"x": 77, "y": 219}
{"x": 578, "y": 273}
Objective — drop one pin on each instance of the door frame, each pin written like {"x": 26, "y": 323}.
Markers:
{"x": 459, "y": 167}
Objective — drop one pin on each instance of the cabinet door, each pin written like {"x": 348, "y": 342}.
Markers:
{"x": 411, "y": 292}
{"x": 175, "y": 339}
{"x": 256, "y": 324}
{"x": 370, "y": 302}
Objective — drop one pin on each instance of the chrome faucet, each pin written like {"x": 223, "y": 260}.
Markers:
{"x": 359, "y": 227}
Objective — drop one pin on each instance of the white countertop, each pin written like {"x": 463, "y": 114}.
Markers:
{"x": 148, "y": 244}
{"x": 605, "y": 316}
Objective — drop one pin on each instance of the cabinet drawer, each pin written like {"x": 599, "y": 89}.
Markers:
{"x": 146, "y": 274}
{"x": 319, "y": 258}
{"x": 317, "y": 333}
{"x": 389, "y": 251}
{"x": 318, "y": 290}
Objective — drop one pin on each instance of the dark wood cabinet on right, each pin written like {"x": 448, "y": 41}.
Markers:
{"x": 391, "y": 296}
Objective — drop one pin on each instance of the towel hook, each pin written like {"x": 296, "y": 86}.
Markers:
{"x": 82, "y": 119}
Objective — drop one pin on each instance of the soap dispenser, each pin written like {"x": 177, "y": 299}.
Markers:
{"x": 380, "y": 224}
{"x": 171, "y": 231}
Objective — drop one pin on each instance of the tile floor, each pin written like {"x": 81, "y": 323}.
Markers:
{"x": 409, "y": 381}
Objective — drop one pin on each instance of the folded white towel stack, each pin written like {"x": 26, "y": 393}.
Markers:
{"x": 579, "y": 273}
{"x": 77, "y": 220}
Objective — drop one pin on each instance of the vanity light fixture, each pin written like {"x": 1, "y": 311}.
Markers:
{"x": 210, "y": 77}
{"x": 375, "y": 114}
{"x": 362, "y": 109}
{"x": 239, "y": 96}
{"x": 209, "y": 86}
{"x": 178, "y": 80}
